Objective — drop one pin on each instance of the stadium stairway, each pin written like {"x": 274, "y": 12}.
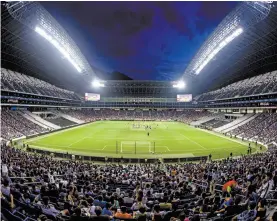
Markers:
{"x": 36, "y": 119}
{"x": 70, "y": 118}
{"x": 237, "y": 123}
{"x": 25, "y": 115}
{"x": 202, "y": 120}
{"x": 233, "y": 123}
{"x": 62, "y": 122}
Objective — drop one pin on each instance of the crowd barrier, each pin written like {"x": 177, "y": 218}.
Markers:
{"x": 119, "y": 159}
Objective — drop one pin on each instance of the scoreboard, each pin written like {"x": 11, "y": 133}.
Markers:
{"x": 184, "y": 97}
{"x": 92, "y": 97}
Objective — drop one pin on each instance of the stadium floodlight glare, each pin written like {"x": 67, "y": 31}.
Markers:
{"x": 58, "y": 46}
{"x": 97, "y": 83}
{"x": 179, "y": 84}
{"x": 219, "y": 47}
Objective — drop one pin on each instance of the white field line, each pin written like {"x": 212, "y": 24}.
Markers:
{"x": 164, "y": 146}
{"x": 53, "y": 145}
{"x": 61, "y": 150}
{"x": 124, "y": 138}
{"x": 58, "y": 132}
{"x": 194, "y": 142}
{"x": 227, "y": 138}
{"x": 70, "y": 145}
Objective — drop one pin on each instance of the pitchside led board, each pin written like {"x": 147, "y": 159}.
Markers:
{"x": 92, "y": 97}
{"x": 184, "y": 97}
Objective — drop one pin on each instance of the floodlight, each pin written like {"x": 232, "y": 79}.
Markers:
{"x": 179, "y": 84}
{"x": 96, "y": 83}
{"x": 58, "y": 46}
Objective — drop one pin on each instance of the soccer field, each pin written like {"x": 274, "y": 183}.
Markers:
{"x": 121, "y": 138}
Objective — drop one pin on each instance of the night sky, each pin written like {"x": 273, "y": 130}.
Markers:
{"x": 144, "y": 40}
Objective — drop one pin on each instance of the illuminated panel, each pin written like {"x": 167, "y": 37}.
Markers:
{"x": 184, "y": 97}
{"x": 92, "y": 97}
{"x": 57, "y": 45}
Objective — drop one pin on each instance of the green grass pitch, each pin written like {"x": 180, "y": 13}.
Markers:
{"x": 120, "y": 138}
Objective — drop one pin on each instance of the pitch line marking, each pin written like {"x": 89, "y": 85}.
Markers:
{"x": 193, "y": 142}
{"x": 227, "y": 138}
{"x": 70, "y": 145}
{"x": 54, "y": 132}
{"x": 165, "y": 147}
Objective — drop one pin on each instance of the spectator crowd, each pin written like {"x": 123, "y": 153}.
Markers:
{"x": 14, "y": 81}
{"x": 261, "y": 84}
{"x": 36, "y": 186}
{"x": 186, "y": 116}
{"x": 262, "y": 128}
{"x": 14, "y": 125}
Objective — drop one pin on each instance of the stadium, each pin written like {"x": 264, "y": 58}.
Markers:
{"x": 78, "y": 145}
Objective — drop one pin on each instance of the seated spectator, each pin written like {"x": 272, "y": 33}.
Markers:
{"x": 261, "y": 210}
{"x": 233, "y": 209}
{"x": 138, "y": 204}
{"x": 123, "y": 213}
{"x": 5, "y": 188}
{"x": 99, "y": 217}
{"x": 76, "y": 216}
{"x": 157, "y": 213}
{"x": 273, "y": 217}
{"x": 99, "y": 202}
{"x": 140, "y": 212}
{"x": 174, "y": 213}
{"x": 107, "y": 210}
{"x": 129, "y": 199}
{"x": 85, "y": 207}
{"x": 228, "y": 200}
{"x": 247, "y": 215}
{"x": 114, "y": 202}
{"x": 166, "y": 204}
{"x": 48, "y": 208}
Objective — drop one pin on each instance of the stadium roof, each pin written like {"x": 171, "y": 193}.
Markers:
{"x": 35, "y": 44}
{"x": 244, "y": 44}
{"x": 113, "y": 88}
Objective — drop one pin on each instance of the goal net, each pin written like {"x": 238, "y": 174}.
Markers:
{"x": 136, "y": 147}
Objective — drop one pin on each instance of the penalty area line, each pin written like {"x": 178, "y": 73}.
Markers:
{"x": 165, "y": 147}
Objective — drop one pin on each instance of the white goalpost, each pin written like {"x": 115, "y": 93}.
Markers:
{"x": 136, "y": 147}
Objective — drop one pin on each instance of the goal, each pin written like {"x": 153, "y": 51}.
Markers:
{"x": 136, "y": 147}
